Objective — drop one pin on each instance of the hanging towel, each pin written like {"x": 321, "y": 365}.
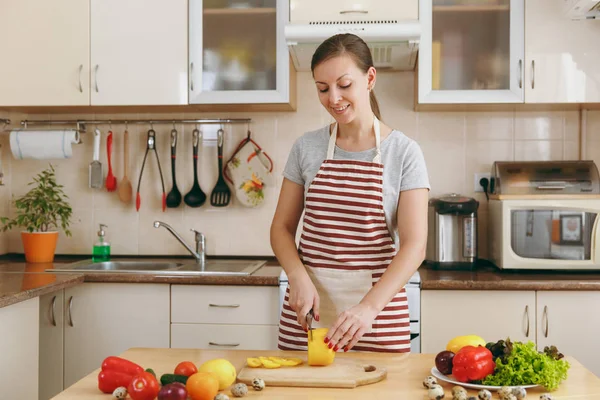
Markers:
{"x": 42, "y": 145}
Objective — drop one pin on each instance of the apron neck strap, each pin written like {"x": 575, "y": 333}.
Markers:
{"x": 333, "y": 137}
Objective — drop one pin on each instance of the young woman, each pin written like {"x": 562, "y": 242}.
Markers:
{"x": 363, "y": 189}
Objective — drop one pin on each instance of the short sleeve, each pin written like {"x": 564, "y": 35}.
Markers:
{"x": 293, "y": 170}
{"x": 414, "y": 170}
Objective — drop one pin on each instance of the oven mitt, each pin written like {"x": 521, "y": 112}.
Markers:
{"x": 249, "y": 171}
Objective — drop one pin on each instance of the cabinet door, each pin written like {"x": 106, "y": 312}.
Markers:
{"x": 561, "y": 56}
{"x": 138, "y": 52}
{"x": 471, "y": 53}
{"x": 45, "y": 53}
{"x": 224, "y": 336}
{"x": 104, "y": 319}
{"x": 51, "y": 344}
{"x": 491, "y": 314}
{"x": 19, "y": 346}
{"x": 238, "y": 52}
{"x": 569, "y": 321}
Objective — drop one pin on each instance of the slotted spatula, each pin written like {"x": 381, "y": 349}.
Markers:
{"x": 221, "y": 195}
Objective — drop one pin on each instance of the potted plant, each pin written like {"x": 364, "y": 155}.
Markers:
{"x": 40, "y": 212}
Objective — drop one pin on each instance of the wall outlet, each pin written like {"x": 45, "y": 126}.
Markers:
{"x": 478, "y": 175}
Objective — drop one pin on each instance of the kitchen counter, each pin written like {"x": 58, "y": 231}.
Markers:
{"x": 21, "y": 281}
{"x": 404, "y": 379}
{"x": 488, "y": 277}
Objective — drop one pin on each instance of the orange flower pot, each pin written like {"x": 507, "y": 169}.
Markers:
{"x": 39, "y": 246}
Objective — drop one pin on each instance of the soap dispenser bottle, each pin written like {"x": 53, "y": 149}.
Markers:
{"x": 101, "y": 250}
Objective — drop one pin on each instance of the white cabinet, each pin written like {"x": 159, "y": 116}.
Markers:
{"x": 491, "y": 314}
{"x": 104, "y": 319}
{"x": 559, "y": 318}
{"x": 364, "y": 10}
{"x": 238, "y": 54}
{"x": 561, "y": 56}
{"x": 138, "y": 52}
{"x": 45, "y": 53}
{"x": 471, "y": 53}
{"x": 19, "y": 346}
{"x": 51, "y": 320}
{"x": 224, "y": 317}
{"x": 569, "y": 320}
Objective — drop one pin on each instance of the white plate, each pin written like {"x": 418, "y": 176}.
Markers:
{"x": 438, "y": 375}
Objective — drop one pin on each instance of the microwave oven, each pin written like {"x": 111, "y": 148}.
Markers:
{"x": 544, "y": 215}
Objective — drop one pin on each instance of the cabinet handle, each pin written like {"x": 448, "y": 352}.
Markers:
{"x": 80, "y": 85}
{"x": 520, "y": 74}
{"x": 224, "y": 344}
{"x": 53, "y": 319}
{"x": 192, "y": 76}
{"x": 527, "y": 316}
{"x": 545, "y": 316}
{"x": 224, "y": 305}
{"x": 354, "y": 12}
{"x": 532, "y": 74}
{"x": 70, "y": 312}
{"x": 96, "y": 77}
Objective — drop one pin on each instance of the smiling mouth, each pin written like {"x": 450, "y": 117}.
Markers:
{"x": 340, "y": 109}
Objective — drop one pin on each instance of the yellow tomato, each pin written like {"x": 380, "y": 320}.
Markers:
{"x": 459, "y": 342}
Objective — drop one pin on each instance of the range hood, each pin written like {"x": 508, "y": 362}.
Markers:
{"x": 390, "y": 28}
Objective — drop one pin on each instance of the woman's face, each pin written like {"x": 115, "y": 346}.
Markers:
{"x": 343, "y": 88}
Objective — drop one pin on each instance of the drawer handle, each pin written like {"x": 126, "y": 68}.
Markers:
{"x": 224, "y": 305}
{"x": 224, "y": 344}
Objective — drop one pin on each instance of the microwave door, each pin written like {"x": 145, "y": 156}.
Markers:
{"x": 531, "y": 233}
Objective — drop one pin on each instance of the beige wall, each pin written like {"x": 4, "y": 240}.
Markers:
{"x": 455, "y": 144}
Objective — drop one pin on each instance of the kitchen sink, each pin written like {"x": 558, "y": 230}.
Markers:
{"x": 235, "y": 267}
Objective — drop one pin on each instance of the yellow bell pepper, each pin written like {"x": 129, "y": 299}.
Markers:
{"x": 459, "y": 342}
{"x": 318, "y": 351}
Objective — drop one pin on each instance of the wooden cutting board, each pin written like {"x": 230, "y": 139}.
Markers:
{"x": 343, "y": 373}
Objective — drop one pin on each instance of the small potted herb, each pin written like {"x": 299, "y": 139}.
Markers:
{"x": 40, "y": 212}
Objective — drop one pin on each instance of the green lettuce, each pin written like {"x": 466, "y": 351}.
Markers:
{"x": 526, "y": 366}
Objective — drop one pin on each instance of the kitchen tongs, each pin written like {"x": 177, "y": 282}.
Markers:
{"x": 151, "y": 146}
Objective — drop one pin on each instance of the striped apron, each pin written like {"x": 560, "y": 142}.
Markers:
{"x": 346, "y": 247}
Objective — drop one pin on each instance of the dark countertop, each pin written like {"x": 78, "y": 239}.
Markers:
{"x": 21, "y": 281}
{"x": 489, "y": 277}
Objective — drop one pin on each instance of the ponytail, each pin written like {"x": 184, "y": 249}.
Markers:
{"x": 374, "y": 105}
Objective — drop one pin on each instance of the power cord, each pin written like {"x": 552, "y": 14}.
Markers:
{"x": 484, "y": 183}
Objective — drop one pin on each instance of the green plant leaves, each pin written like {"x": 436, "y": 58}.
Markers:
{"x": 43, "y": 208}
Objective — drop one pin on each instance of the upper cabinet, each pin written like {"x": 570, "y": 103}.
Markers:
{"x": 237, "y": 52}
{"x": 562, "y": 55}
{"x": 471, "y": 51}
{"x": 45, "y": 48}
{"x": 138, "y": 52}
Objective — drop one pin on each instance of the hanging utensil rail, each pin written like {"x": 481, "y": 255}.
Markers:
{"x": 81, "y": 124}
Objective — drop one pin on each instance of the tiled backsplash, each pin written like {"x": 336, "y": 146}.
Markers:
{"x": 456, "y": 145}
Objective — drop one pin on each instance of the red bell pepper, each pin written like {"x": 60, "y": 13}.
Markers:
{"x": 144, "y": 386}
{"x": 472, "y": 363}
{"x": 116, "y": 372}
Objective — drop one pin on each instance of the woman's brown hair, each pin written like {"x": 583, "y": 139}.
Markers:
{"x": 355, "y": 47}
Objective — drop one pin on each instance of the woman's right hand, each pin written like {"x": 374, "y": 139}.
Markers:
{"x": 303, "y": 297}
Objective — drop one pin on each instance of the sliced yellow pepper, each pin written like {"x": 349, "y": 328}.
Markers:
{"x": 287, "y": 362}
{"x": 253, "y": 362}
{"x": 459, "y": 342}
{"x": 270, "y": 364}
{"x": 318, "y": 351}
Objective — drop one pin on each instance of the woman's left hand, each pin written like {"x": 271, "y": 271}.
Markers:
{"x": 350, "y": 326}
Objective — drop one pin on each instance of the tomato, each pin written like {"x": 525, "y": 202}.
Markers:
{"x": 143, "y": 387}
{"x": 186, "y": 368}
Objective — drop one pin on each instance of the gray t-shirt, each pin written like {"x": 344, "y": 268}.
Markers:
{"x": 403, "y": 166}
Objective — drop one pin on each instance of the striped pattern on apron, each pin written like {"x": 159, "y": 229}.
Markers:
{"x": 344, "y": 229}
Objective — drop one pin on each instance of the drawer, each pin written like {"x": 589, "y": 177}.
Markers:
{"x": 224, "y": 304}
{"x": 225, "y": 337}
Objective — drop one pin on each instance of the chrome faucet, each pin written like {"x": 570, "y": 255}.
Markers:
{"x": 200, "y": 253}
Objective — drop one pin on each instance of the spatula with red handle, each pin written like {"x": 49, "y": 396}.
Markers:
{"x": 111, "y": 180}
